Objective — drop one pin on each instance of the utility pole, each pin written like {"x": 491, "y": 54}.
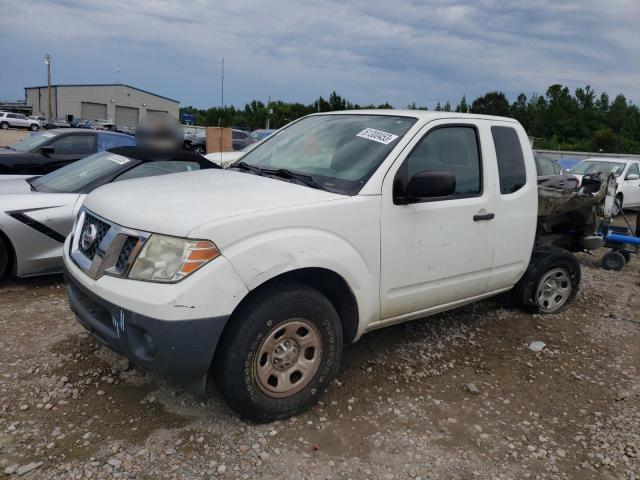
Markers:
{"x": 269, "y": 112}
{"x": 47, "y": 60}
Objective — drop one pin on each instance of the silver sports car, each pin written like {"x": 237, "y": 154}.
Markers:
{"x": 37, "y": 213}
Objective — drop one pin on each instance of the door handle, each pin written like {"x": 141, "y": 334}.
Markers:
{"x": 483, "y": 216}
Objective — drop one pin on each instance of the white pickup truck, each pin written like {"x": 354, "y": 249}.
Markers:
{"x": 339, "y": 224}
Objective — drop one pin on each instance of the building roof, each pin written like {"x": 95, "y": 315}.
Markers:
{"x": 103, "y": 85}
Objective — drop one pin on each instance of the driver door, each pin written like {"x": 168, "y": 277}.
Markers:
{"x": 437, "y": 253}
{"x": 631, "y": 186}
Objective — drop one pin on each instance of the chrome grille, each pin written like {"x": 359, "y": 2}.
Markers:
{"x": 125, "y": 253}
{"x": 108, "y": 249}
{"x": 101, "y": 227}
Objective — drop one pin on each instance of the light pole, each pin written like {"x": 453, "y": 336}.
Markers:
{"x": 47, "y": 61}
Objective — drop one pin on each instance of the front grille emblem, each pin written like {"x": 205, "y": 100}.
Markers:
{"x": 89, "y": 236}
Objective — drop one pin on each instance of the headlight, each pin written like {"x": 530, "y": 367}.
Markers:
{"x": 169, "y": 259}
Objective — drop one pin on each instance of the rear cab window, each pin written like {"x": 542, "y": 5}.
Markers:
{"x": 511, "y": 166}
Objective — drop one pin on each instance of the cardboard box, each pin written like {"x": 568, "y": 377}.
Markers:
{"x": 219, "y": 140}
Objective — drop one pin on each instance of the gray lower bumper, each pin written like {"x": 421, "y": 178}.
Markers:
{"x": 179, "y": 348}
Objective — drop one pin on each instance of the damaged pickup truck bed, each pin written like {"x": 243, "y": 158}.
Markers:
{"x": 573, "y": 216}
{"x": 336, "y": 225}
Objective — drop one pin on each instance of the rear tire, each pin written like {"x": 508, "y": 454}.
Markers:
{"x": 4, "y": 126}
{"x": 551, "y": 281}
{"x": 4, "y": 257}
{"x": 280, "y": 354}
{"x": 613, "y": 260}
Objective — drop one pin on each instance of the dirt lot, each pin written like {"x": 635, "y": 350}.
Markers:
{"x": 8, "y": 137}
{"x": 70, "y": 408}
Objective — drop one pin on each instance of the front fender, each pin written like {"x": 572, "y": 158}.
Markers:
{"x": 262, "y": 257}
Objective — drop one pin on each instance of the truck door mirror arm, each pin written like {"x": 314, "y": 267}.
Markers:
{"x": 428, "y": 184}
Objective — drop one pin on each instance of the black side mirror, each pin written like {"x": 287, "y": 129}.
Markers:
{"x": 430, "y": 184}
{"x": 46, "y": 151}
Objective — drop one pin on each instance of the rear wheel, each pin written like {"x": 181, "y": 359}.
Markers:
{"x": 613, "y": 260}
{"x": 4, "y": 257}
{"x": 551, "y": 282}
{"x": 281, "y": 353}
{"x": 4, "y": 126}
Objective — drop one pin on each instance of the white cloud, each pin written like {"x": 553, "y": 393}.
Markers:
{"x": 389, "y": 50}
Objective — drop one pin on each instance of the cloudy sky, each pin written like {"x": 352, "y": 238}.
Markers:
{"x": 369, "y": 51}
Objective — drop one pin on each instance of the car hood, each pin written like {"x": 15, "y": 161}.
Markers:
{"x": 178, "y": 203}
{"x": 13, "y": 153}
{"x": 14, "y": 184}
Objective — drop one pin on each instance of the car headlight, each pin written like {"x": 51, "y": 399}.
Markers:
{"x": 170, "y": 259}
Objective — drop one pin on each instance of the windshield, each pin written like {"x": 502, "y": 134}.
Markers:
{"x": 592, "y": 166}
{"x": 32, "y": 142}
{"x": 339, "y": 152}
{"x": 77, "y": 176}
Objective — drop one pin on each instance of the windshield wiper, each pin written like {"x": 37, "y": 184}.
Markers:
{"x": 308, "y": 180}
{"x": 247, "y": 167}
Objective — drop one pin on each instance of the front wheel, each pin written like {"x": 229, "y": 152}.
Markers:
{"x": 281, "y": 353}
{"x": 551, "y": 281}
{"x": 34, "y": 127}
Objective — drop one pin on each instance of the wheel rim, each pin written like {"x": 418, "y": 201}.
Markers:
{"x": 553, "y": 290}
{"x": 288, "y": 358}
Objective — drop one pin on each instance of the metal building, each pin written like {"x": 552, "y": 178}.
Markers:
{"x": 118, "y": 103}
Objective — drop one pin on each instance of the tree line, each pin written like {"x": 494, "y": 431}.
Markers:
{"x": 559, "y": 120}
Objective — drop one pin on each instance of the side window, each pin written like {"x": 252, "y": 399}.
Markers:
{"x": 107, "y": 141}
{"x": 21, "y": 117}
{"x": 12, "y": 115}
{"x": 72, "y": 144}
{"x": 150, "y": 169}
{"x": 511, "y": 168}
{"x": 634, "y": 169}
{"x": 452, "y": 149}
{"x": 545, "y": 166}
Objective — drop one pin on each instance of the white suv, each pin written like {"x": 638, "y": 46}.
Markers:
{"x": 627, "y": 172}
{"x": 17, "y": 120}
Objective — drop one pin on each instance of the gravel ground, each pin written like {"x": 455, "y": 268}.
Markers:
{"x": 458, "y": 395}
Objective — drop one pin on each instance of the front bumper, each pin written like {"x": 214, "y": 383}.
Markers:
{"x": 179, "y": 348}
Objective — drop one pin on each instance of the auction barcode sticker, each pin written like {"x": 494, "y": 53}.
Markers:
{"x": 119, "y": 159}
{"x": 377, "y": 135}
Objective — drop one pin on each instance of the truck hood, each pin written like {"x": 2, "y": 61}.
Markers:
{"x": 176, "y": 204}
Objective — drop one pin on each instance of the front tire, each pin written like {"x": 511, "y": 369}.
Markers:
{"x": 281, "y": 353}
{"x": 551, "y": 281}
{"x": 34, "y": 127}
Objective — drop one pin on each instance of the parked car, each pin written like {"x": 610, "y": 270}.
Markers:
{"x": 262, "y": 134}
{"x": 627, "y": 172}
{"x": 17, "y": 120}
{"x": 224, "y": 159}
{"x": 40, "y": 120}
{"x": 37, "y": 213}
{"x": 549, "y": 171}
{"x": 568, "y": 163}
{"x": 241, "y": 139}
{"x": 46, "y": 151}
{"x": 342, "y": 223}
{"x": 56, "y": 123}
